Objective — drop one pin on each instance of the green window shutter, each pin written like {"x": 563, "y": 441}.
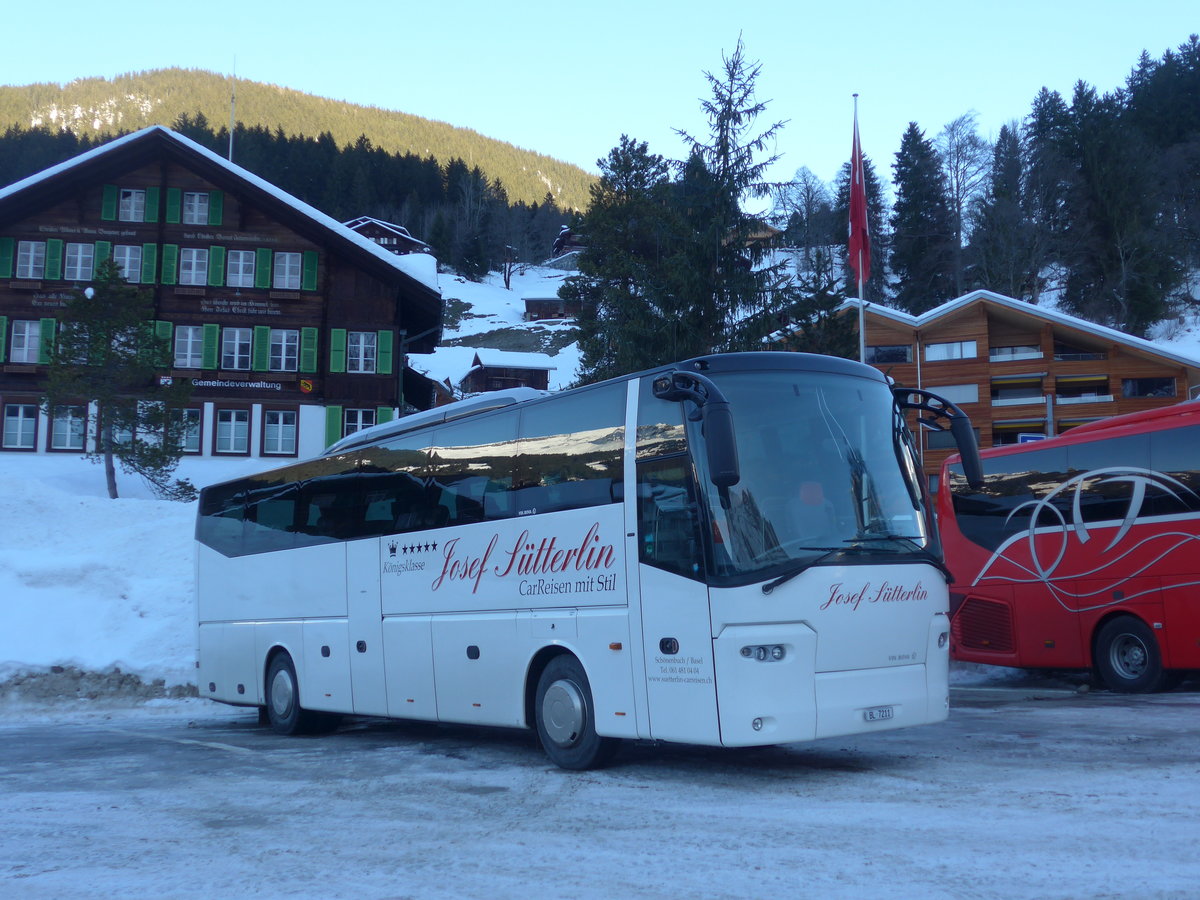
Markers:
{"x": 260, "y": 348}
{"x": 6, "y": 257}
{"x": 3, "y": 338}
{"x": 152, "y": 194}
{"x": 108, "y": 203}
{"x": 333, "y": 424}
{"x": 164, "y": 331}
{"x": 308, "y": 277}
{"x": 103, "y": 252}
{"x": 216, "y": 266}
{"x": 170, "y": 263}
{"x": 383, "y": 414}
{"x": 210, "y": 346}
{"x": 337, "y": 350}
{"x": 54, "y": 259}
{"x": 262, "y": 268}
{"x": 47, "y": 341}
{"x": 174, "y": 206}
{"x": 149, "y": 262}
{"x": 308, "y": 349}
{"x": 383, "y": 353}
{"x": 216, "y": 207}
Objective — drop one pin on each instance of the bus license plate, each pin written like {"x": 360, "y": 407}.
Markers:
{"x": 879, "y": 713}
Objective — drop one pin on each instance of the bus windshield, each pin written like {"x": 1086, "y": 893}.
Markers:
{"x": 827, "y": 471}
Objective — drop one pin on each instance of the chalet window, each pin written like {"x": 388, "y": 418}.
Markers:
{"x": 128, "y": 259}
{"x": 193, "y": 266}
{"x": 67, "y": 428}
{"x": 279, "y": 432}
{"x": 189, "y": 346}
{"x": 240, "y": 272}
{"x": 285, "y": 350}
{"x": 20, "y": 426}
{"x": 957, "y": 393}
{"x": 80, "y": 258}
{"x": 889, "y": 353}
{"x": 235, "y": 348}
{"x": 26, "y": 341}
{"x": 191, "y": 419}
{"x": 357, "y": 419}
{"x": 360, "y": 351}
{"x": 31, "y": 259}
{"x": 287, "y": 271}
{"x": 233, "y": 431}
{"x": 132, "y": 207}
{"x": 1147, "y": 387}
{"x": 195, "y": 208}
{"x": 950, "y": 350}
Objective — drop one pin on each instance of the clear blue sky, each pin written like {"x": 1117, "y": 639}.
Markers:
{"x": 568, "y": 78}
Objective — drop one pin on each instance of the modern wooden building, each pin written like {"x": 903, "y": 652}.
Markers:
{"x": 1020, "y": 371}
{"x": 292, "y": 329}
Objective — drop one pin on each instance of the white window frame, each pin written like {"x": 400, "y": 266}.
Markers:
{"x": 20, "y": 430}
{"x": 132, "y": 205}
{"x": 31, "y": 259}
{"x": 285, "y": 350}
{"x": 361, "y": 352}
{"x": 233, "y": 432}
{"x": 79, "y": 262}
{"x": 68, "y": 428}
{"x": 950, "y": 350}
{"x": 195, "y": 208}
{"x": 189, "y": 346}
{"x": 193, "y": 265}
{"x": 26, "y": 346}
{"x": 356, "y": 420}
{"x": 194, "y": 427}
{"x": 239, "y": 268}
{"x": 128, "y": 259}
{"x": 279, "y": 432}
{"x": 236, "y": 345}
{"x": 286, "y": 275}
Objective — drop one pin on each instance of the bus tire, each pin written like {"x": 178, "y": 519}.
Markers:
{"x": 284, "y": 712}
{"x": 566, "y": 719}
{"x": 1127, "y": 657}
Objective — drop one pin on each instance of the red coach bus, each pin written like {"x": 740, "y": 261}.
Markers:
{"x": 1082, "y": 551}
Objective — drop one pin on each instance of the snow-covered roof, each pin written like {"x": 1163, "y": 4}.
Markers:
{"x": 510, "y": 359}
{"x": 304, "y": 209}
{"x": 950, "y": 307}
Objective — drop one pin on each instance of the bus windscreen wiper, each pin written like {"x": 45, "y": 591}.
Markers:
{"x": 808, "y": 564}
{"x": 914, "y": 548}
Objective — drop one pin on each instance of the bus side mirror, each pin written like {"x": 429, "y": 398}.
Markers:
{"x": 968, "y": 450}
{"x": 723, "y": 468}
{"x": 719, "y": 441}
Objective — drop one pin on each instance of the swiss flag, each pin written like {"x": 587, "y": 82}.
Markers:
{"x": 860, "y": 238}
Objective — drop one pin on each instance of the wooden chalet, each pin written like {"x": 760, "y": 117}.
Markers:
{"x": 1019, "y": 371}
{"x": 292, "y": 329}
{"x": 496, "y": 370}
{"x": 549, "y": 305}
{"x": 393, "y": 238}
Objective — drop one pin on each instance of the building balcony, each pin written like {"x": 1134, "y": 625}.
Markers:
{"x": 1014, "y": 356}
{"x": 1019, "y": 401}
{"x": 1087, "y": 398}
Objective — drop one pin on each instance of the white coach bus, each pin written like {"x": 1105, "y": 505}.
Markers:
{"x": 735, "y": 550}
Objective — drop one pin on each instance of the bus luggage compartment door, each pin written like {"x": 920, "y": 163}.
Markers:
{"x": 765, "y": 692}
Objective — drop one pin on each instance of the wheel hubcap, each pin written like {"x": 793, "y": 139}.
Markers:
{"x": 1129, "y": 656}
{"x": 563, "y": 712}
{"x": 281, "y": 694}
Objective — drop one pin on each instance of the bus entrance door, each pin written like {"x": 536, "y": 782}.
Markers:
{"x": 366, "y": 627}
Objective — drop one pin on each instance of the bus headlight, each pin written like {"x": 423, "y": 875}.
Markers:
{"x": 765, "y": 652}
{"x": 943, "y": 640}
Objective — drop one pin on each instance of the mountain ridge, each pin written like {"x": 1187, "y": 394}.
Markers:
{"x": 133, "y": 100}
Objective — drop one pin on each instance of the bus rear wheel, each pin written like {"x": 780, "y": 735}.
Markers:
{"x": 284, "y": 712}
{"x": 1127, "y": 657}
{"x": 566, "y": 719}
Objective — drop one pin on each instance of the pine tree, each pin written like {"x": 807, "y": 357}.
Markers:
{"x": 922, "y": 257}
{"x": 107, "y": 354}
{"x": 999, "y": 253}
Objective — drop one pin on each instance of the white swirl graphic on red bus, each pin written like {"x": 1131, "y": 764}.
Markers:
{"x": 1058, "y": 554}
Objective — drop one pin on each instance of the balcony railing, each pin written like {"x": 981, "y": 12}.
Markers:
{"x": 1018, "y": 401}
{"x": 1076, "y": 357}
{"x": 1087, "y": 398}
{"x": 1012, "y": 357}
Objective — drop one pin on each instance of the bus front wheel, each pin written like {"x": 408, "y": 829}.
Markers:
{"x": 566, "y": 719}
{"x": 284, "y": 712}
{"x": 1127, "y": 657}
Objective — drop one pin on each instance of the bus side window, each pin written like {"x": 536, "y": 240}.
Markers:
{"x": 470, "y": 461}
{"x": 222, "y": 511}
{"x": 668, "y": 518}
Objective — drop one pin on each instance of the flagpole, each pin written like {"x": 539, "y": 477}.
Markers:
{"x": 858, "y": 269}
